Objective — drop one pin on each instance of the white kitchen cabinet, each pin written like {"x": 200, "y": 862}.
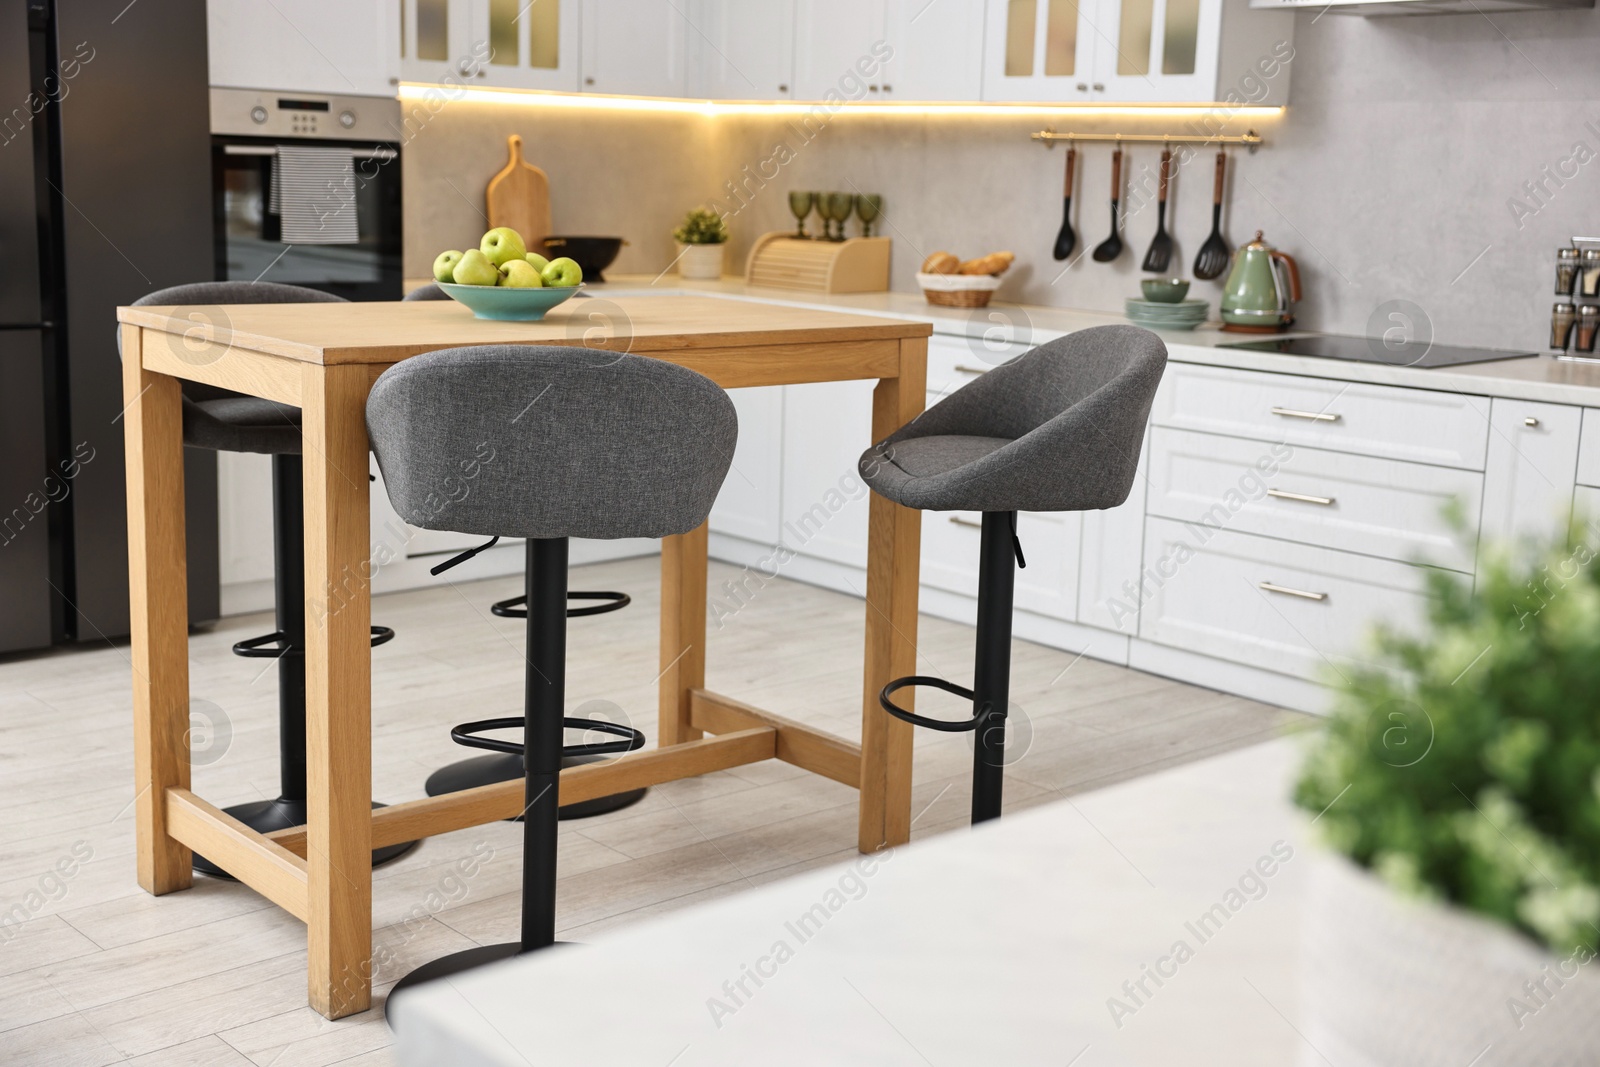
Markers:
{"x": 749, "y": 503}
{"x": 1533, "y": 463}
{"x": 350, "y": 48}
{"x": 498, "y": 43}
{"x": 1047, "y": 586}
{"x": 742, "y": 50}
{"x": 1112, "y": 557}
{"x": 938, "y": 50}
{"x": 635, "y": 47}
{"x": 839, "y": 49}
{"x": 825, "y": 430}
{"x": 1136, "y": 51}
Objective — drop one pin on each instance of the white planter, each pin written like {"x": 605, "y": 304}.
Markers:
{"x": 1395, "y": 981}
{"x": 702, "y": 262}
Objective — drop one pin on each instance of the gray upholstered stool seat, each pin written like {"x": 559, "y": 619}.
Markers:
{"x": 547, "y": 444}
{"x": 1057, "y": 429}
{"x": 225, "y": 421}
{"x": 431, "y": 291}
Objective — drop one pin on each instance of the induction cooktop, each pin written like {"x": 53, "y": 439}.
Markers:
{"x": 1377, "y": 350}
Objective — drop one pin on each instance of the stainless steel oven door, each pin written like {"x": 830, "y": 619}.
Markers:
{"x": 248, "y": 235}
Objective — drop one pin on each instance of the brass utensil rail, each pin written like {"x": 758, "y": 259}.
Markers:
{"x": 1250, "y": 138}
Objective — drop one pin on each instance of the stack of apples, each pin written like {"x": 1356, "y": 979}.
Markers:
{"x": 502, "y": 258}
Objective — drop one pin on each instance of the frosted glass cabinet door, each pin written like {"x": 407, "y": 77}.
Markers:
{"x": 634, "y": 47}
{"x": 529, "y": 45}
{"x": 1039, "y": 50}
{"x": 938, "y": 50}
{"x": 435, "y": 42}
{"x": 1150, "y": 51}
{"x": 743, "y": 50}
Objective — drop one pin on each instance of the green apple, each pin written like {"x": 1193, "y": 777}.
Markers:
{"x": 502, "y": 244}
{"x": 519, "y": 274}
{"x": 444, "y": 267}
{"x": 538, "y": 261}
{"x": 562, "y": 273}
{"x": 475, "y": 269}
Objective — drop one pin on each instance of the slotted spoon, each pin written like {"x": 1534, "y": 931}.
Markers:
{"x": 1212, "y": 259}
{"x": 1066, "y": 240}
{"x": 1160, "y": 252}
{"x": 1111, "y": 247}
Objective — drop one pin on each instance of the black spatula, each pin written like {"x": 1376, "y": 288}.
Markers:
{"x": 1213, "y": 257}
{"x": 1066, "y": 240}
{"x": 1160, "y": 253}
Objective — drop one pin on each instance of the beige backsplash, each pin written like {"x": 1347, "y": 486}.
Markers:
{"x": 1390, "y": 178}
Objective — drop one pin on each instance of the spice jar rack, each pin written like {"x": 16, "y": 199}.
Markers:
{"x": 1575, "y": 318}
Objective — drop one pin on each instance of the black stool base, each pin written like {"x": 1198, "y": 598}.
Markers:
{"x": 458, "y": 962}
{"x": 504, "y": 767}
{"x": 265, "y": 816}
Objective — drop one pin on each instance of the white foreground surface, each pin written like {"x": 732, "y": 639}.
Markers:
{"x": 1025, "y": 942}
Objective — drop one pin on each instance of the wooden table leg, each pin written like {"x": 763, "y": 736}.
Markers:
{"x": 894, "y": 546}
{"x": 338, "y": 689}
{"x": 683, "y": 631}
{"x": 158, "y": 592}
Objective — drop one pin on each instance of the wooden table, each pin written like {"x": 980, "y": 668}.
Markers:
{"x": 324, "y": 358}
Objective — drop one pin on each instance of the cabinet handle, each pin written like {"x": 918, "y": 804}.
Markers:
{"x": 872, "y": 88}
{"x": 964, "y": 369}
{"x": 1083, "y": 87}
{"x": 1315, "y": 416}
{"x": 1286, "y": 591}
{"x": 783, "y": 88}
{"x": 1530, "y": 421}
{"x": 1325, "y": 501}
{"x": 1099, "y": 87}
{"x": 957, "y": 520}
{"x": 588, "y": 81}
{"x": 888, "y": 88}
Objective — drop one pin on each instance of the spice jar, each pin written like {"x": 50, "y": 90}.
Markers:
{"x": 1589, "y": 273}
{"x": 1562, "y": 317}
{"x": 1566, "y": 270}
{"x": 1588, "y": 320}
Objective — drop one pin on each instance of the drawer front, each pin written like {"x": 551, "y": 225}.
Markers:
{"x": 1050, "y": 544}
{"x": 1421, "y": 425}
{"x": 1589, "y": 449}
{"x": 1380, "y": 507}
{"x": 955, "y": 361}
{"x": 1271, "y": 604}
{"x": 1533, "y": 462}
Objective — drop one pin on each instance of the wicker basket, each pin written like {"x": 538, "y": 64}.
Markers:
{"x": 958, "y": 290}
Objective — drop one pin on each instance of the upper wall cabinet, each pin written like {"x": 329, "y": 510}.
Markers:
{"x": 506, "y": 43}
{"x": 938, "y": 53}
{"x": 304, "y": 46}
{"x": 742, "y": 50}
{"x": 834, "y": 49}
{"x": 1136, "y": 51}
{"x": 634, "y": 47}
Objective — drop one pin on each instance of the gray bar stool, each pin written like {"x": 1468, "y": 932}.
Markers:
{"x": 506, "y": 765}
{"x": 547, "y": 444}
{"x": 226, "y": 421}
{"x": 1057, "y": 429}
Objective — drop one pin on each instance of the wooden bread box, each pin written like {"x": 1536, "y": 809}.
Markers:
{"x": 780, "y": 260}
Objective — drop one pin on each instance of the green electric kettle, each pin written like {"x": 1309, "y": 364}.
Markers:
{"x": 1261, "y": 290}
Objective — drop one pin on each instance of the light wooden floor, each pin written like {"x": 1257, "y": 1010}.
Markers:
{"x": 93, "y": 971}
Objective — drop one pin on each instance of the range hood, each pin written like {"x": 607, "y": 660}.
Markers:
{"x": 1375, "y": 8}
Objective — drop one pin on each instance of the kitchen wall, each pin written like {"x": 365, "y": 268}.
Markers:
{"x": 1423, "y": 176}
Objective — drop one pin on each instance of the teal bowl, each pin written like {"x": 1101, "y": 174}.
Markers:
{"x": 507, "y": 304}
{"x": 1164, "y": 290}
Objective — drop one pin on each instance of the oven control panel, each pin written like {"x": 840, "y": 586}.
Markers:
{"x": 264, "y": 113}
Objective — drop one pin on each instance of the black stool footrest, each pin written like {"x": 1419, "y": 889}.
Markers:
{"x": 276, "y": 644}
{"x": 517, "y": 606}
{"x": 631, "y": 739}
{"x": 946, "y": 725}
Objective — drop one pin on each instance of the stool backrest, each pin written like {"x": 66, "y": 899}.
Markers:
{"x": 539, "y": 441}
{"x": 431, "y": 291}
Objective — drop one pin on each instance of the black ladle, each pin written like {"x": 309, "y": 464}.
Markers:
{"x": 1111, "y": 247}
{"x": 1066, "y": 240}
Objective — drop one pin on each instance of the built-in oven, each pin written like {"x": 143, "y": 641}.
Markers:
{"x": 253, "y": 240}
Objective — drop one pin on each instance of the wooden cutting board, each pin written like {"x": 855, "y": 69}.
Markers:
{"x": 519, "y": 197}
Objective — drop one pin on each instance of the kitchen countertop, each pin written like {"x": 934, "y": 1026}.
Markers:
{"x": 1539, "y": 378}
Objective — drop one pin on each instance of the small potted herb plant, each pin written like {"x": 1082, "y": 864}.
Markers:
{"x": 700, "y": 239}
{"x": 1458, "y": 787}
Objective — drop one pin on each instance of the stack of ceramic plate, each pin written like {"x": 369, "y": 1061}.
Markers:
{"x": 1184, "y": 315}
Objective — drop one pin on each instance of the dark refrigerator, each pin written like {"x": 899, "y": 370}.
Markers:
{"x": 104, "y": 196}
